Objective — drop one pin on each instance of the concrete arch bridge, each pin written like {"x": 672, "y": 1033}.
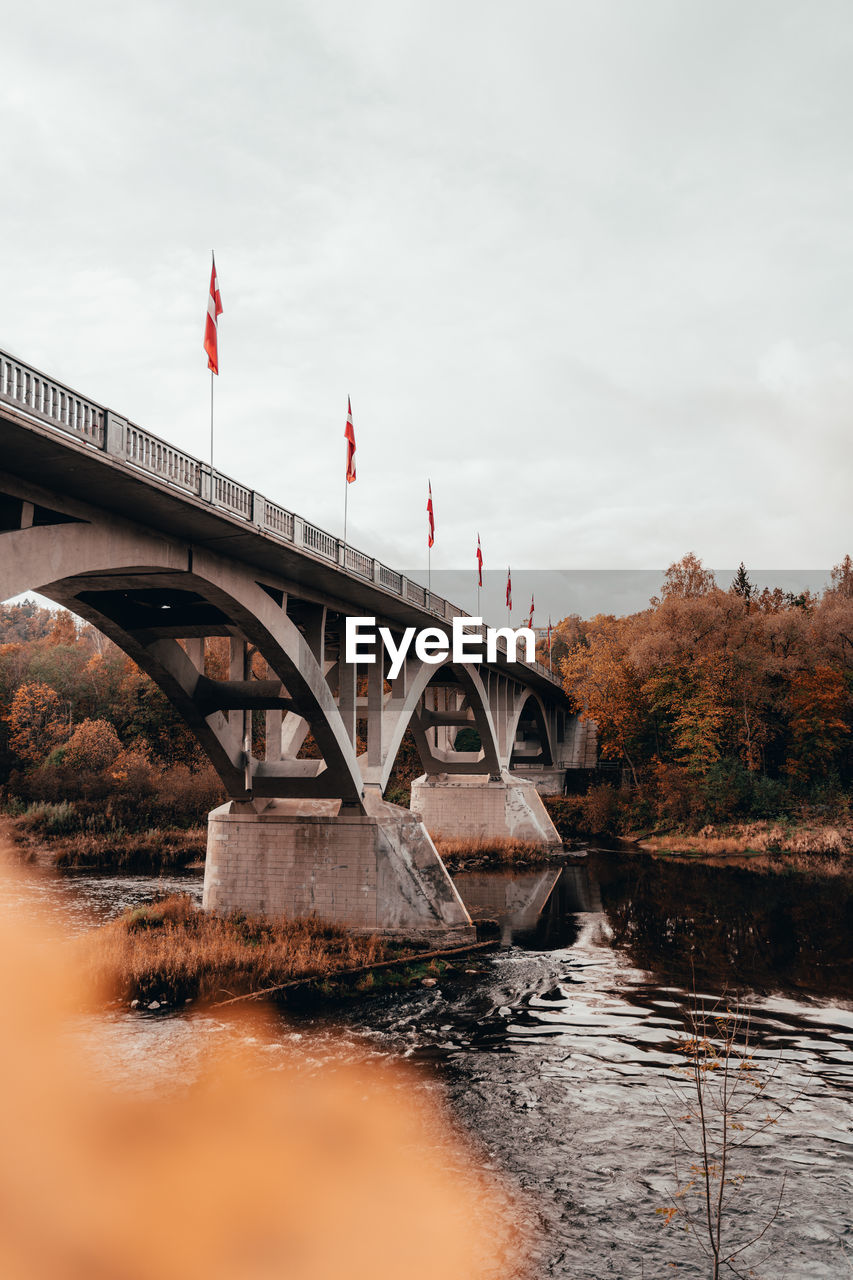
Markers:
{"x": 163, "y": 553}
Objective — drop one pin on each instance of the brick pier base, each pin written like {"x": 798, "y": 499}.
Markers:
{"x": 473, "y": 806}
{"x": 376, "y": 871}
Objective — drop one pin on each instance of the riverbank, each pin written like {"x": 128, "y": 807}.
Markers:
{"x": 167, "y": 953}
{"x": 493, "y": 854}
{"x": 778, "y": 847}
{"x": 38, "y": 834}
{"x": 159, "y": 849}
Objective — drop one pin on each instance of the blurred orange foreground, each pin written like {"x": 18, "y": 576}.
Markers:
{"x": 245, "y": 1173}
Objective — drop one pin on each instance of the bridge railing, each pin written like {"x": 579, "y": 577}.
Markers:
{"x": 54, "y": 405}
{"x": 51, "y": 401}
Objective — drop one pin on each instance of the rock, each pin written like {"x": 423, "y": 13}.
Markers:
{"x": 155, "y": 1004}
{"x": 429, "y": 982}
{"x": 472, "y": 971}
{"x": 134, "y": 1003}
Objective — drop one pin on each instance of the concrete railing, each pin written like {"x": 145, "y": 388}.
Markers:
{"x": 55, "y": 405}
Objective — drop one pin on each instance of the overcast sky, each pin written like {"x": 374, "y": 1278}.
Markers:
{"x": 587, "y": 265}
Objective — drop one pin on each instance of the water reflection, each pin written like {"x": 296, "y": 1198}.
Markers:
{"x": 720, "y": 926}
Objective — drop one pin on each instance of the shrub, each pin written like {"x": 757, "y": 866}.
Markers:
{"x": 93, "y": 746}
{"x": 601, "y": 810}
{"x": 50, "y": 819}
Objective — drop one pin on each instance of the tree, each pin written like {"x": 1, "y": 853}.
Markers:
{"x": 841, "y": 579}
{"x": 720, "y": 1109}
{"x": 687, "y": 577}
{"x": 819, "y": 728}
{"x": 36, "y": 721}
{"x": 604, "y": 683}
{"x": 741, "y": 585}
{"x": 93, "y": 746}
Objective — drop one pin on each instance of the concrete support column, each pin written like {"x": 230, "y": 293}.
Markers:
{"x": 375, "y": 706}
{"x": 347, "y": 675}
{"x": 478, "y": 807}
{"x": 376, "y": 871}
{"x": 272, "y": 735}
{"x": 195, "y": 653}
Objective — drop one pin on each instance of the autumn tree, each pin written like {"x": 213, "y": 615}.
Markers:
{"x": 603, "y": 682}
{"x": 841, "y": 579}
{"x": 819, "y": 726}
{"x": 687, "y": 577}
{"x": 93, "y": 746}
{"x": 37, "y": 721}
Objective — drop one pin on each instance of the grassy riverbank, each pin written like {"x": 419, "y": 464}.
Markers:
{"x": 470, "y": 854}
{"x": 818, "y": 849}
{"x": 146, "y": 852}
{"x": 171, "y": 951}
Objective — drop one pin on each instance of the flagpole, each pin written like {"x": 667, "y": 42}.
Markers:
{"x": 550, "y": 668}
{"x": 213, "y": 265}
{"x": 346, "y": 499}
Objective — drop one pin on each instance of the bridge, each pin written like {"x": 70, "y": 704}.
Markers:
{"x": 161, "y": 552}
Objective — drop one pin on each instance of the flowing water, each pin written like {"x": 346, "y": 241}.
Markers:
{"x": 560, "y": 1054}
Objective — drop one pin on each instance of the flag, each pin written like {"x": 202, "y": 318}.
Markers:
{"x": 479, "y": 563}
{"x": 549, "y": 631}
{"x": 349, "y": 436}
{"x": 530, "y": 619}
{"x": 214, "y": 311}
{"x": 430, "y": 517}
{"x": 509, "y": 590}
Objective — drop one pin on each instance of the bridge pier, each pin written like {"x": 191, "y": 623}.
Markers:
{"x": 478, "y": 806}
{"x": 374, "y": 870}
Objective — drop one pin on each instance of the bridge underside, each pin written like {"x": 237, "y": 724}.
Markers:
{"x": 303, "y": 741}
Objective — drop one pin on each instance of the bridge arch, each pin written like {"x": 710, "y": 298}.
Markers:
{"x": 146, "y": 594}
{"x": 413, "y": 714}
{"x": 529, "y": 706}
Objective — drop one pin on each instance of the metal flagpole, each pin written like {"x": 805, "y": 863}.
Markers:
{"x": 550, "y": 668}
{"x": 211, "y": 419}
{"x": 346, "y": 498}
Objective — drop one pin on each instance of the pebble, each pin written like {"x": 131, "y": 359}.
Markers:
{"x": 134, "y": 1003}
{"x": 429, "y": 982}
{"x": 155, "y": 1004}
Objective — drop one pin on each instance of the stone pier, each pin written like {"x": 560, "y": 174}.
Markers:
{"x": 375, "y": 871}
{"x": 472, "y": 806}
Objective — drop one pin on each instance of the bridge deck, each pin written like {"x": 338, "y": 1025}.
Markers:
{"x": 53, "y": 436}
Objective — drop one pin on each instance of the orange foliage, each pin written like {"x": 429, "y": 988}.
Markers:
{"x": 36, "y": 722}
{"x": 699, "y": 678}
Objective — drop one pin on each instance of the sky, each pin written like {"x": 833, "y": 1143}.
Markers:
{"x": 586, "y": 266}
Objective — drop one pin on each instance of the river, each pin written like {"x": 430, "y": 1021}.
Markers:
{"x": 558, "y": 1056}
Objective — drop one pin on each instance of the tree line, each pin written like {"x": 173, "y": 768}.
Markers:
{"x": 721, "y": 701}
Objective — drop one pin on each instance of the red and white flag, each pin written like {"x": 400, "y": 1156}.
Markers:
{"x": 479, "y": 563}
{"x": 509, "y": 590}
{"x": 430, "y": 517}
{"x": 214, "y": 311}
{"x": 349, "y": 436}
{"x": 530, "y": 619}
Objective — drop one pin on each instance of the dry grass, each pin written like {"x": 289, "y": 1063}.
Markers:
{"x": 167, "y": 849}
{"x": 497, "y": 852}
{"x": 766, "y": 846}
{"x": 173, "y": 950}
